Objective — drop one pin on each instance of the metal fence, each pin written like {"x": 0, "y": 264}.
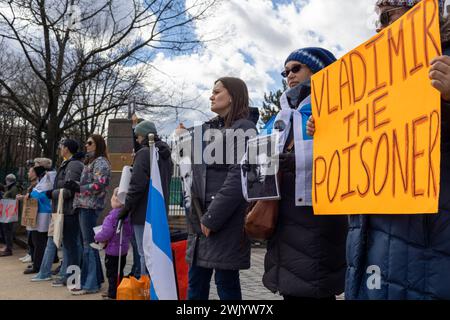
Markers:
{"x": 16, "y": 147}
{"x": 176, "y": 196}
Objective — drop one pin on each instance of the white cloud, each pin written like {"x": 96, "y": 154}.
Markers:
{"x": 266, "y": 34}
{"x": 254, "y": 38}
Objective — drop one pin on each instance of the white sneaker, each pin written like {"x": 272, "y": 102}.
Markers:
{"x": 25, "y": 259}
{"x": 36, "y": 279}
{"x": 97, "y": 246}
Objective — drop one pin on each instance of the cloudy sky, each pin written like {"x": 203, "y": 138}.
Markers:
{"x": 256, "y": 36}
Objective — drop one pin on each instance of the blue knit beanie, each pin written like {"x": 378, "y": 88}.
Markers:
{"x": 315, "y": 58}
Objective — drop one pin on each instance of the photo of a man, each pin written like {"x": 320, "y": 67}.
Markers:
{"x": 261, "y": 179}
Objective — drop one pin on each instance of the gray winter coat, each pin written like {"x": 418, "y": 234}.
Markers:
{"x": 137, "y": 196}
{"x": 218, "y": 202}
{"x": 69, "y": 170}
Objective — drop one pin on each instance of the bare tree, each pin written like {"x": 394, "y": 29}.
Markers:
{"x": 67, "y": 46}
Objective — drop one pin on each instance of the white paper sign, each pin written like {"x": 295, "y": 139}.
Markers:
{"x": 97, "y": 229}
{"x": 124, "y": 184}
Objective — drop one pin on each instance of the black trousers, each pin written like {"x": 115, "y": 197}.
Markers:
{"x": 30, "y": 245}
{"x": 111, "y": 265}
{"x": 8, "y": 233}
{"x": 39, "y": 242}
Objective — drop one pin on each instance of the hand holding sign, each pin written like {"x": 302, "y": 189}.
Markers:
{"x": 310, "y": 127}
{"x": 440, "y": 76}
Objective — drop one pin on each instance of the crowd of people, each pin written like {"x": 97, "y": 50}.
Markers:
{"x": 308, "y": 257}
{"x": 83, "y": 179}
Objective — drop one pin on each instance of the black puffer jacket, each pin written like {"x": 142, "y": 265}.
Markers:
{"x": 137, "y": 196}
{"x": 70, "y": 170}
{"x": 306, "y": 256}
{"x": 218, "y": 202}
{"x": 412, "y": 251}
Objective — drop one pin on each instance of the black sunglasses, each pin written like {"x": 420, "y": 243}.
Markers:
{"x": 89, "y": 143}
{"x": 385, "y": 17}
{"x": 294, "y": 69}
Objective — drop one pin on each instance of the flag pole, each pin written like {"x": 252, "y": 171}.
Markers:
{"x": 151, "y": 146}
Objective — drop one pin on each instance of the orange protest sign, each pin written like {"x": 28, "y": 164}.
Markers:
{"x": 377, "y": 140}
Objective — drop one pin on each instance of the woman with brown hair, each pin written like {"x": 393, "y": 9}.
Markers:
{"x": 90, "y": 200}
{"x": 216, "y": 240}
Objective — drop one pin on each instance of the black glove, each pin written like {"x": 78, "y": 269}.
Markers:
{"x": 72, "y": 186}
{"x": 49, "y": 194}
{"x": 287, "y": 162}
{"x": 246, "y": 167}
{"x": 123, "y": 214}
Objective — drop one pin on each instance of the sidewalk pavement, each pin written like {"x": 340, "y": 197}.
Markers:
{"x": 17, "y": 286}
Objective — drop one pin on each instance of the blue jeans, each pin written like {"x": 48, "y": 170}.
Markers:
{"x": 227, "y": 283}
{"x": 72, "y": 249}
{"x": 91, "y": 269}
{"x": 136, "y": 268}
{"x": 139, "y": 234}
{"x": 47, "y": 261}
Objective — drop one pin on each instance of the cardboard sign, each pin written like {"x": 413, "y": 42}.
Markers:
{"x": 8, "y": 211}
{"x": 29, "y": 213}
{"x": 378, "y": 123}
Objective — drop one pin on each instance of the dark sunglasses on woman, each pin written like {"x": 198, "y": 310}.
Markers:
{"x": 89, "y": 143}
{"x": 385, "y": 17}
{"x": 294, "y": 69}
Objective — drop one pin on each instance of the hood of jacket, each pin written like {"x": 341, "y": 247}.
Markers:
{"x": 164, "y": 149}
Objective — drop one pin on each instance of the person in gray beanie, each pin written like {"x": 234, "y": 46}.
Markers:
{"x": 145, "y": 128}
{"x": 10, "y": 180}
{"x": 137, "y": 196}
{"x": 8, "y": 228}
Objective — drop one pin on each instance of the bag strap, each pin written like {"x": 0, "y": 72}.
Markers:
{"x": 290, "y": 146}
{"x": 59, "y": 210}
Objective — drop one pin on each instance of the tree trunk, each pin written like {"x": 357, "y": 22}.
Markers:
{"x": 53, "y": 138}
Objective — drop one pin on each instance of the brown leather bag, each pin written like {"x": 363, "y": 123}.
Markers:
{"x": 261, "y": 219}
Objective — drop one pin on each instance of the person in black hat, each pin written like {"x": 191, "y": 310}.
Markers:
{"x": 42, "y": 175}
{"x": 70, "y": 170}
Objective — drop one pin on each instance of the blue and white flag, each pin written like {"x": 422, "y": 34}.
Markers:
{"x": 157, "y": 245}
